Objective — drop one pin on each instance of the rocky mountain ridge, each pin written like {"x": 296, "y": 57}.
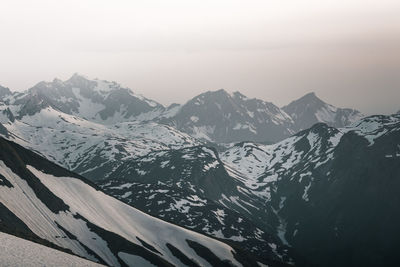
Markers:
{"x": 214, "y": 116}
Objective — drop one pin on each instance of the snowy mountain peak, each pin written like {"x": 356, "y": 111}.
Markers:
{"x": 94, "y": 100}
{"x": 222, "y": 117}
{"x": 310, "y": 95}
{"x": 239, "y": 95}
{"x": 220, "y": 91}
{"x": 57, "y": 80}
{"x": 308, "y": 101}
{"x": 208, "y": 96}
{"x": 77, "y": 75}
{"x": 310, "y": 109}
{"x": 83, "y": 85}
{"x": 219, "y": 116}
{"x": 97, "y": 85}
{"x": 4, "y": 91}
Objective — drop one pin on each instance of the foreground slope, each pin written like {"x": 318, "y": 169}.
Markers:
{"x": 51, "y": 204}
{"x": 16, "y": 251}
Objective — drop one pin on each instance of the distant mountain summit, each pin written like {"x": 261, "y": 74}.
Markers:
{"x": 4, "y": 91}
{"x": 219, "y": 116}
{"x": 213, "y": 116}
{"x": 309, "y": 109}
{"x": 94, "y": 100}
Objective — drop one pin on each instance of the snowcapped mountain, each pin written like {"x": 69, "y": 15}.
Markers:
{"x": 334, "y": 191}
{"x": 215, "y": 116}
{"x": 309, "y": 110}
{"x": 54, "y": 120}
{"x": 64, "y": 122}
{"x": 4, "y": 91}
{"x": 50, "y": 205}
{"x": 94, "y": 100}
{"x": 89, "y": 148}
{"x": 222, "y": 117}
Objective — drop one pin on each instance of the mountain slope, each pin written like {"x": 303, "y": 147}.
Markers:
{"x": 334, "y": 191}
{"x": 309, "y": 110}
{"x": 89, "y": 148}
{"x": 353, "y": 198}
{"x": 62, "y": 208}
{"x": 20, "y": 252}
{"x": 222, "y": 117}
{"x": 191, "y": 187}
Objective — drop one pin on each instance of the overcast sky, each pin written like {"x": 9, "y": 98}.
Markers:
{"x": 347, "y": 51}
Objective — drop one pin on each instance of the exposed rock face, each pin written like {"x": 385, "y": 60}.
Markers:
{"x": 222, "y": 117}
{"x": 309, "y": 110}
{"x": 4, "y": 91}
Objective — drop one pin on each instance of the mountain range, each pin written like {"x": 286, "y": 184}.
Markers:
{"x": 215, "y": 116}
{"x": 308, "y": 184}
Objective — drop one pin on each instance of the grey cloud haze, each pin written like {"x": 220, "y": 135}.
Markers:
{"x": 346, "y": 51}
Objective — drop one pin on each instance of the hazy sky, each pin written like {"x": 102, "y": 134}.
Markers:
{"x": 347, "y": 51}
